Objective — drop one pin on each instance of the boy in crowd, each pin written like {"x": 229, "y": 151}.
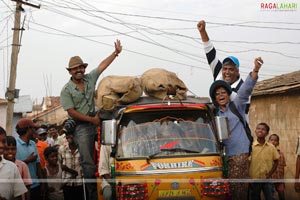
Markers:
{"x": 39, "y": 137}
{"x": 11, "y": 185}
{"x": 69, "y": 159}
{"x": 279, "y": 172}
{"x": 10, "y": 154}
{"x": 53, "y": 134}
{"x": 53, "y": 172}
{"x": 263, "y": 163}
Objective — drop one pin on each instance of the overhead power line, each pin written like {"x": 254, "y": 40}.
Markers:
{"x": 261, "y": 50}
{"x": 137, "y": 27}
{"x": 143, "y": 40}
{"x": 186, "y": 20}
{"x": 131, "y": 51}
{"x": 85, "y": 11}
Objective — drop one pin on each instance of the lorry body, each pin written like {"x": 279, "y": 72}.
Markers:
{"x": 164, "y": 150}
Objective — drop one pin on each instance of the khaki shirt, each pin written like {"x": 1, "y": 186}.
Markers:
{"x": 81, "y": 101}
{"x": 262, "y": 159}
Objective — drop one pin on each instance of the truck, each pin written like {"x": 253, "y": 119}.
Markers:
{"x": 165, "y": 150}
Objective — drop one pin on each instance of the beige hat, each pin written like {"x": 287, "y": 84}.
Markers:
{"x": 76, "y": 61}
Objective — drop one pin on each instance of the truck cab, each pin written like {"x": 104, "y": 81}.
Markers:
{"x": 165, "y": 149}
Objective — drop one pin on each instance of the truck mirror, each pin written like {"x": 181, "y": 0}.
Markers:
{"x": 222, "y": 128}
{"x": 108, "y": 132}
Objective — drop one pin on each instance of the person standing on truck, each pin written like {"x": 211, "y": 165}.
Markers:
{"x": 237, "y": 146}
{"x": 77, "y": 98}
{"x": 228, "y": 70}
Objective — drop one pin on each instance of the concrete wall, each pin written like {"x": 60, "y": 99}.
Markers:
{"x": 282, "y": 113}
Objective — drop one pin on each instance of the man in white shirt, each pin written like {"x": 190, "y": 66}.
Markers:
{"x": 11, "y": 183}
{"x": 105, "y": 170}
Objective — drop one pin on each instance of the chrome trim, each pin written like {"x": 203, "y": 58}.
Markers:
{"x": 168, "y": 171}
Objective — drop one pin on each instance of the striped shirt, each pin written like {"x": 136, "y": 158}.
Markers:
{"x": 279, "y": 173}
{"x": 72, "y": 161}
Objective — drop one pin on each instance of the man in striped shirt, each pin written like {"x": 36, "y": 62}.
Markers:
{"x": 228, "y": 70}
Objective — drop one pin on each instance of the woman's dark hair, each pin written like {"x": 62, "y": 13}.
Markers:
{"x": 49, "y": 150}
{"x": 216, "y": 85}
{"x": 11, "y": 141}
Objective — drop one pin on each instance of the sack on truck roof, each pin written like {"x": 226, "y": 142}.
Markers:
{"x": 160, "y": 83}
{"x": 115, "y": 90}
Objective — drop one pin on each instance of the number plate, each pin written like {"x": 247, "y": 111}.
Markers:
{"x": 174, "y": 193}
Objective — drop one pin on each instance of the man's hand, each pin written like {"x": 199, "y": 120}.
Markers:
{"x": 74, "y": 174}
{"x": 201, "y": 26}
{"x": 31, "y": 158}
{"x": 257, "y": 64}
{"x": 95, "y": 120}
{"x": 118, "y": 47}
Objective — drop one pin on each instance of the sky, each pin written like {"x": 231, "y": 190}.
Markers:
{"x": 157, "y": 33}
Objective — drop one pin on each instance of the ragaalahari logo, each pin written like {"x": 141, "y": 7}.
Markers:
{"x": 278, "y": 6}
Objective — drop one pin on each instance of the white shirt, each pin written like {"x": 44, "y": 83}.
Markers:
{"x": 11, "y": 182}
{"x": 105, "y": 163}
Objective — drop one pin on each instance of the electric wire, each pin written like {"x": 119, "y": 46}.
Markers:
{"x": 153, "y": 42}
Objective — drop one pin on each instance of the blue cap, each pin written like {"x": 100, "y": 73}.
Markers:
{"x": 233, "y": 59}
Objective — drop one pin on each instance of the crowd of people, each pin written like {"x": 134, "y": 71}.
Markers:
{"x": 51, "y": 164}
{"x": 39, "y": 169}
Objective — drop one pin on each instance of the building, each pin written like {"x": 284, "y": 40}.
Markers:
{"x": 23, "y": 105}
{"x": 3, "y": 110}
{"x": 49, "y": 112}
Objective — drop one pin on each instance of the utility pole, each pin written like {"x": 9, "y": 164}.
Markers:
{"x": 13, "y": 64}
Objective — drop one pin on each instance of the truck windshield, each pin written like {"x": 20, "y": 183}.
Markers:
{"x": 164, "y": 134}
